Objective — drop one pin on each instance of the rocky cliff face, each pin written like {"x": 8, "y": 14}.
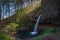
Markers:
{"x": 50, "y": 11}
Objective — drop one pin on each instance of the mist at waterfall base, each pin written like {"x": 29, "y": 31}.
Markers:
{"x": 36, "y": 26}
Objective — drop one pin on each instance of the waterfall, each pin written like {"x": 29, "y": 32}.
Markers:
{"x": 36, "y": 26}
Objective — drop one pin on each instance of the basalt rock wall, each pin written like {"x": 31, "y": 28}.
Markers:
{"x": 50, "y": 11}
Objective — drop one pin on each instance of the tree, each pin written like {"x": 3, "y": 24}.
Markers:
{"x": 19, "y": 2}
{"x": 0, "y": 13}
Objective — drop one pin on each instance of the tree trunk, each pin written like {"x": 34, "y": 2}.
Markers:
{"x": 0, "y": 13}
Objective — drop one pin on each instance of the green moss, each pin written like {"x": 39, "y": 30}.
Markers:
{"x": 21, "y": 14}
{"x": 4, "y": 37}
{"x": 47, "y": 31}
{"x": 26, "y": 24}
{"x": 14, "y": 25}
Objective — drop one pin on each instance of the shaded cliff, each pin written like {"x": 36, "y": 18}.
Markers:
{"x": 50, "y": 12}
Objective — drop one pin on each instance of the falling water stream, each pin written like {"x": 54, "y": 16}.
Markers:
{"x": 35, "y": 31}
{"x": 36, "y": 26}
